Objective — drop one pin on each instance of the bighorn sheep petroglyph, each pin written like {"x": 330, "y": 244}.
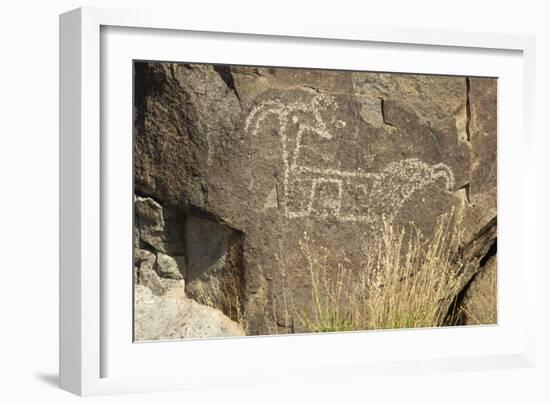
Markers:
{"x": 347, "y": 195}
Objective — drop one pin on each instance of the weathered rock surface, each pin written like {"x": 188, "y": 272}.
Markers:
{"x": 145, "y": 273}
{"x": 157, "y": 227}
{"x": 173, "y": 316}
{"x": 479, "y": 304}
{"x": 214, "y": 258}
{"x": 148, "y": 277}
{"x": 478, "y": 255}
{"x": 168, "y": 267}
{"x": 233, "y": 164}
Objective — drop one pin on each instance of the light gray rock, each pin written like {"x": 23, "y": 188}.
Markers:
{"x": 167, "y": 267}
{"x": 146, "y": 275}
{"x": 175, "y": 288}
{"x": 143, "y": 255}
{"x": 173, "y": 316}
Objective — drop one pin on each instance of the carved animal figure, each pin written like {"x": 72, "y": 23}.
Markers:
{"x": 347, "y": 195}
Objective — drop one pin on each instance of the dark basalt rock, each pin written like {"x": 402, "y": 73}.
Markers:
{"x": 248, "y": 159}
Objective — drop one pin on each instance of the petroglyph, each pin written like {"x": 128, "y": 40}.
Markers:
{"x": 326, "y": 191}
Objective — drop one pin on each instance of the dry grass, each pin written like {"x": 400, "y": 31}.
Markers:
{"x": 407, "y": 283}
{"x": 226, "y": 298}
{"x": 413, "y": 282}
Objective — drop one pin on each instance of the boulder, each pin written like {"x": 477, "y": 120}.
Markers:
{"x": 172, "y": 316}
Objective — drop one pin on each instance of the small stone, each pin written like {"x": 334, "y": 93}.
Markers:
{"x": 145, "y": 273}
{"x": 168, "y": 267}
{"x": 148, "y": 277}
{"x": 142, "y": 254}
{"x": 150, "y": 210}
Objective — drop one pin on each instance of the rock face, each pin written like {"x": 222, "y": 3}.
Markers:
{"x": 233, "y": 164}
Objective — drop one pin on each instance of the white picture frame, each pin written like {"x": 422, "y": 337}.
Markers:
{"x": 93, "y": 330}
